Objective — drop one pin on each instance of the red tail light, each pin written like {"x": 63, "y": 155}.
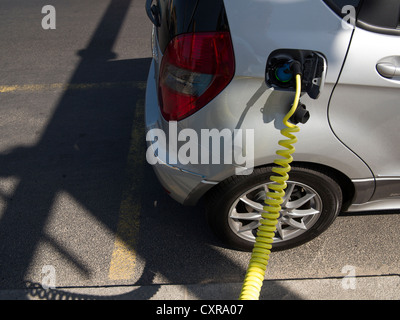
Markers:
{"x": 195, "y": 68}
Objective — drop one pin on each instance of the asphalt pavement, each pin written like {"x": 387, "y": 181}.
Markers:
{"x": 82, "y": 215}
{"x": 334, "y": 289}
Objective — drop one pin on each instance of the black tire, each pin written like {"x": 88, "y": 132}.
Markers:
{"x": 224, "y": 208}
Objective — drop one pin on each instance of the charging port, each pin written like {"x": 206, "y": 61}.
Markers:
{"x": 313, "y": 68}
{"x": 283, "y": 74}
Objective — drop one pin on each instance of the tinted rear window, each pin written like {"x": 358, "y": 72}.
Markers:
{"x": 337, "y": 5}
{"x": 381, "y": 13}
{"x": 381, "y": 16}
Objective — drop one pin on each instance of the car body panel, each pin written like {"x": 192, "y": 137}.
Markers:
{"x": 248, "y": 104}
{"x": 371, "y": 103}
{"x": 280, "y": 26}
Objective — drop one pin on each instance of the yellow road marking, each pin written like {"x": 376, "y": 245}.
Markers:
{"x": 123, "y": 260}
{"x": 70, "y": 86}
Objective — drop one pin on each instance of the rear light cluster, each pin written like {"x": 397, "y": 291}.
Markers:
{"x": 195, "y": 68}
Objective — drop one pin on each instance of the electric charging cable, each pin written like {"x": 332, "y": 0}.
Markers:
{"x": 266, "y": 231}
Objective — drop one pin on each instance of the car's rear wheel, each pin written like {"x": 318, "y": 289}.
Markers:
{"x": 312, "y": 202}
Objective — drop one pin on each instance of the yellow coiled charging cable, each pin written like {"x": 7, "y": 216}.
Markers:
{"x": 266, "y": 231}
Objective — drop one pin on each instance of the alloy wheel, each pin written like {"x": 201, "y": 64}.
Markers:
{"x": 301, "y": 209}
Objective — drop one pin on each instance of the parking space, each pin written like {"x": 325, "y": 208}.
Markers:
{"x": 79, "y": 205}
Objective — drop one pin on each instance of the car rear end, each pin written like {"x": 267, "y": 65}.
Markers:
{"x": 208, "y": 71}
{"x": 193, "y": 62}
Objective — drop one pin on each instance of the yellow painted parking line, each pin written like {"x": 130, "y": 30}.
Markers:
{"x": 70, "y": 86}
{"x": 123, "y": 260}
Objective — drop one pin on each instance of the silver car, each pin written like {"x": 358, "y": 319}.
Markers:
{"x": 218, "y": 90}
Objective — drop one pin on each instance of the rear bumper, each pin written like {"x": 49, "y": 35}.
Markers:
{"x": 183, "y": 185}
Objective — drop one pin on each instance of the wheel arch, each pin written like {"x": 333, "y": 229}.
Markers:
{"x": 344, "y": 182}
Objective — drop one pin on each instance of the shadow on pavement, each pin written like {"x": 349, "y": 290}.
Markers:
{"x": 83, "y": 151}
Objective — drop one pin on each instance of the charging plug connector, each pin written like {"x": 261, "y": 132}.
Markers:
{"x": 296, "y": 68}
{"x": 302, "y": 115}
